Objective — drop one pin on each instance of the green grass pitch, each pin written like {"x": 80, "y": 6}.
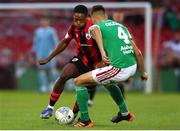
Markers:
{"x": 20, "y": 110}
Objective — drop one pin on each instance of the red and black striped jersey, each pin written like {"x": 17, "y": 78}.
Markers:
{"x": 86, "y": 47}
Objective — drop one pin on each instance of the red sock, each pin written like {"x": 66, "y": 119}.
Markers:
{"x": 54, "y": 97}
{"x": 75, "y": 108}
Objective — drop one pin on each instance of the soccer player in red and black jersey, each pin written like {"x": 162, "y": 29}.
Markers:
{"x": 87, "y": 56}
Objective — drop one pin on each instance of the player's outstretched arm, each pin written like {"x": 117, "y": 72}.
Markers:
{"x": 59, "y": 48}
{"x": 97, "y": 35}
{"x": 140, "y": 61}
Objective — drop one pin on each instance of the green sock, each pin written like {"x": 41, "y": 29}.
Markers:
{"x": 82, "y": 100}
{"x": 117, "y": 96}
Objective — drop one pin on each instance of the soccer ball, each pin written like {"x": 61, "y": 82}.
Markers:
{"x": 64, "y": 115}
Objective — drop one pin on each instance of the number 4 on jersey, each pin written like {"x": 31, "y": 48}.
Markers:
{"x": 122, "y": 35}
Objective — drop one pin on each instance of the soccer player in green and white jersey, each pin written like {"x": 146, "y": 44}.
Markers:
{"x": 120, "y": 54}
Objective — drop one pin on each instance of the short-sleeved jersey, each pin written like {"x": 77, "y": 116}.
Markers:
{"x": 117, "y": 43}
{"x": 86, "y": 47}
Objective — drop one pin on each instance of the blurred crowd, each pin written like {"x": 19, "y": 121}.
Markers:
{"x": 16, "y": 38}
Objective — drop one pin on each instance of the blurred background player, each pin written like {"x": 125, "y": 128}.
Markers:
{"x": 87, "y": 56}
{"x": 118, "y": 17}
{"x": 120, "y": 54}
{"x": 171, "y": 56}
{"x": 172, "y": 52}
{"x": 45, "y": 40}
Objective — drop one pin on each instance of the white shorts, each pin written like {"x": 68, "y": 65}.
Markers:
{"x": 110, "y": 74}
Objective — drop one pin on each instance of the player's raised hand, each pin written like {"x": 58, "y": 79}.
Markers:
{"x": 43, "y": 61}
{"x": 144, "y": 76}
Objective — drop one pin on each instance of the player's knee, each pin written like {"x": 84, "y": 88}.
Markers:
{"x": 77, "y": 81}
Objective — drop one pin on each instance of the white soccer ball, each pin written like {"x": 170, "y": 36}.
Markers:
{"x": 64, "y": 115}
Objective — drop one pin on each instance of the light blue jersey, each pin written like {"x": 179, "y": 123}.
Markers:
{"x": 45, "y": 40}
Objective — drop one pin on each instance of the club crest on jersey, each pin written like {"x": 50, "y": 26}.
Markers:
{"x": 88, "y": 36}
{"x": 74, "y": 59}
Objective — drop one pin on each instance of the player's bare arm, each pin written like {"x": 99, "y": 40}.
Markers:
{"x": 97, "y": 35}
{"x": 60, "y": 47}
{"x": 140, "y": 61}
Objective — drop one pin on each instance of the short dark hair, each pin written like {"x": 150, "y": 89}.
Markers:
{"x": 97, "y": 8}
{"x": 81, "y": 9}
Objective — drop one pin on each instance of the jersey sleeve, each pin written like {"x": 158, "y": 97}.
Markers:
{"x": 68, "y": 35}
{"x": 92, "y": 28}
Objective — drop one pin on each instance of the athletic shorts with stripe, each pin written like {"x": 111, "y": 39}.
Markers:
{"x": 110, "y": 74}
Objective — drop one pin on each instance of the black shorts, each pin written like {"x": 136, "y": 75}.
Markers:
{"x": 79, "y": 64}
